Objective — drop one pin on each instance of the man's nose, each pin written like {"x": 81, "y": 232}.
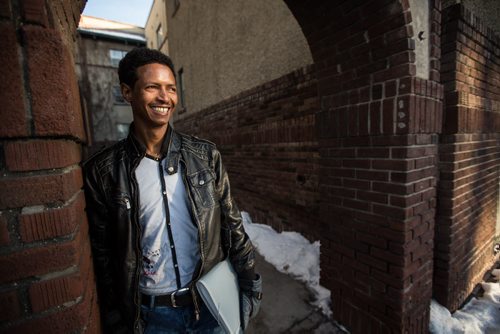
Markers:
{"x": 163, "y": 94}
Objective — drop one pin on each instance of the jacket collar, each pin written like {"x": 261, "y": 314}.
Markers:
{"x": 170, "y": 148}
{"x": 140, "y": 149}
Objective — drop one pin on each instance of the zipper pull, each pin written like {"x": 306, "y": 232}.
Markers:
{"x": 127, "y": 203}
{"x": 195, "y": 301}
{"x": 197, "y": 314}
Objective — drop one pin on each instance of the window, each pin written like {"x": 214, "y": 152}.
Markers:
{"x": 117, "y": 96}
{"x": 181, "y": 88}
{"x": 115, "y": 56}
{"x": 159, "y": 36}
{"x": 176, "y": 4}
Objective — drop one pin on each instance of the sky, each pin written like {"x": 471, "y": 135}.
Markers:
{"x": 294, "y": 255}
{"x": 127, "y": 11}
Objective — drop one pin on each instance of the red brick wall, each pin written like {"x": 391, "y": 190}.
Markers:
{"x": 344, "y": 151}
{"x": 268, "y": 144}
{"x": 349, "y": 158}
{"x": 469, "y": 156}
{"x": 46, "y": 276}
{"x": 377, "y": 132}
{"x": 378, "y": 145}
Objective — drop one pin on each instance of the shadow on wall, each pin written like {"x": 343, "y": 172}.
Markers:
{"x": 469, "y": 159}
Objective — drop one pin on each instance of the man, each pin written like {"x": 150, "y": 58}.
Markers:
{"x": 161, "y": 214}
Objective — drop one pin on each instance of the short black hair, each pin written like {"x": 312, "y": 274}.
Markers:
{"x": 127, "y": 69}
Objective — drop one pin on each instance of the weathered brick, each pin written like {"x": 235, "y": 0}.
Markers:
{"x": 68, "y": 319}
{"x": 51, "y": 70}
{"x": 375, "y": 118}
{"x": 41, "y": 154}
{"x": 372, "y": 175}
{"x": 23, "y": 191}
{"x": 5, "y": 10}
{"x": 393, "y": 188}
{"x": 10, "y": 307}
{"x": 372, "y": 197}
{"x": 389, "y": 257}
{"x": 405, "y": 201}
{"x": 34, "y": 11}
{"x": 393, "y": 164}
{"x": 41, "y": 260}
{"x": 372, "y": 262}
{"x": 55, "y": 292}
{"x": 391, "y": 211}
{"x": 52, "y": 223}
{"x": 12, "y": 93}
{"x": 4, "y": 231}
{"x": 388, "y": 113}
{"x": 374, "y": 240}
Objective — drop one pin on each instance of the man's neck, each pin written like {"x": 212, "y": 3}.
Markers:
{"x": 152, "y": 139}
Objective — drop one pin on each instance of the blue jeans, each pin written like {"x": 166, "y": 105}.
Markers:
{"x": 169, "y": 320}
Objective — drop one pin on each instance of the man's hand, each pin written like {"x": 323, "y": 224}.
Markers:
{"x": 251, "y": 296}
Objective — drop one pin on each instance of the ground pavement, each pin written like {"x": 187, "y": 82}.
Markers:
{"x": 285, "y": 306}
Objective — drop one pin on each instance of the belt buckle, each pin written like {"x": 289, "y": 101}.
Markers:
{"x": 172, "y": 296}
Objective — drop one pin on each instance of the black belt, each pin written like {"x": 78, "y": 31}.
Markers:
{"x": 177, "y": 298}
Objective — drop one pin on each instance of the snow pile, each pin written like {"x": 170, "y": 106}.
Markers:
{"x": 294, "y": 255}
{"x": 291, "y": 254}
{"x": 480, "y": 315}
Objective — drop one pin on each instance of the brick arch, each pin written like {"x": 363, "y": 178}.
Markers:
{"x": 345, "y": 151}
{"x": 377, "y": 131}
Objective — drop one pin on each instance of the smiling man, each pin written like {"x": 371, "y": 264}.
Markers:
{"x": 161, "y": 215}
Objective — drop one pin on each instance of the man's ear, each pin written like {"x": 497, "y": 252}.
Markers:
{"x": 126, "y": 92}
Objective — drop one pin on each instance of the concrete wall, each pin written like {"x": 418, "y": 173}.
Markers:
{"x": 226, "y": 47}
{"x": 157, "y": 16}
{"x": 421, "y": 33}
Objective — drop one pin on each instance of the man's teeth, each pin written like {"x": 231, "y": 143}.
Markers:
{"x": 162, "y": 110}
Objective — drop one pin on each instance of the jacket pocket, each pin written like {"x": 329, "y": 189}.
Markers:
{"x": 203, "y": 185}
{"x": 122, "y": 206}
{"x": 122, "y": 201}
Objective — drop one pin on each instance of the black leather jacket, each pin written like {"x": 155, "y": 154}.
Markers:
{"x": 111, "y": 192}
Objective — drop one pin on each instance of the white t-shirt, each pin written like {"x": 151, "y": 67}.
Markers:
{"x": 158, "y": 274}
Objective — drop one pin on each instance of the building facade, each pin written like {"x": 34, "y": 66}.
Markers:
{"x": 156, "y": 29}
{"x": 101, "y": 46}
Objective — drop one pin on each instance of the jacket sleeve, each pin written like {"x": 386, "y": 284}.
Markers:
{"x": 98, "y": 217}
{"x": 241, "y": 251}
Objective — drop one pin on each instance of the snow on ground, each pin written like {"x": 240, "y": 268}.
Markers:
{"x": 291, "y": 254}
{"x": 478, "y": 316}
{"x": 294, "y": 255}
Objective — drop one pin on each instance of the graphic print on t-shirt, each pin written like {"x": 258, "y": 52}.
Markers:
{"x": 151, "y": 261}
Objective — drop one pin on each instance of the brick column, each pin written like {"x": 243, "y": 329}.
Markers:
{"x": 469, "y": 156}
{"x": 378, "y": 142}
{"x": 46, "y": 275}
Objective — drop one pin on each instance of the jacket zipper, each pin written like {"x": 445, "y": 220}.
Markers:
{"x": 127, "y": 203}
{"x": 200, "y": 236}
{"x": 137, "y": 244}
